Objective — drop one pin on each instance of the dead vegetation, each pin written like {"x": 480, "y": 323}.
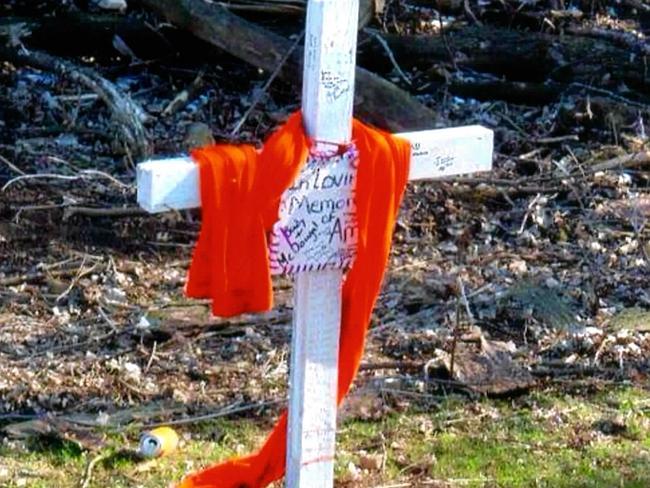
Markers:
{"x": 534, "y": 274}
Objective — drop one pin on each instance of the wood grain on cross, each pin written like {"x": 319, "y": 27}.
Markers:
{"x": 329, "y": 63}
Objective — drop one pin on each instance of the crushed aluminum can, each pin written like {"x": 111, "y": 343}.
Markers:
{"x": 158, "y": 442}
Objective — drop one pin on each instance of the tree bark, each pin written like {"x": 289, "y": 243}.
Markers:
{"x": 518, "y": 56}
{"x": 377, "y": 101}
{"x": 78, "y": 33}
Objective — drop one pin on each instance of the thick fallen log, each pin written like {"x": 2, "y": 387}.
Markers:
{"x": 377, "y": 101}
{"x": 518, "y": 56}
{"x": 59, "y": 35}
{"x": 626, "y": 40}
{"x": 292, "y": 7}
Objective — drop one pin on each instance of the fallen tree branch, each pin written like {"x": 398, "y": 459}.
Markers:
{"x": 627, "y": 161}
{"x": 39, "y": 176}
{"x": 128, "y": 116}
{"x": 227, "y": 411}
{"x": 404, "y": 364}
{"x": 557, "y": 61}
{"x": 98, "y": 339}
{"x": 366, "y": 8}
{"x": 377, "y": 100}
{"x": 39, "y": 276}
{"x": 80, "y": 176}
{"x": 69, "y": 212}
{"x": 262, "y": 7}
{"x": 627, "y": 40}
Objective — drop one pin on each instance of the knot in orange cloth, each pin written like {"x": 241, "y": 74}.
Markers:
{"x": 240, "y": 196}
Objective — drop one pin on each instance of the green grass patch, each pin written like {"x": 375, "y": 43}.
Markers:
{"x": 546, "y": 438}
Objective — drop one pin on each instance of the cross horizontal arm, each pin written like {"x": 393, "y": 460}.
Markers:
{"x": 166, "y": 184}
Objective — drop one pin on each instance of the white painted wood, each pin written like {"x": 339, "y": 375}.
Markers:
{"x": 314, "y": 379}
{"x": 328, "y": 95}
{"x": 167, "y": 184}
{"x": 329, "y": 65}
{"x": 448, "y": 152}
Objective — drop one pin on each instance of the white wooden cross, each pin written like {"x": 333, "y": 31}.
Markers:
{"x": 315, "y": 233}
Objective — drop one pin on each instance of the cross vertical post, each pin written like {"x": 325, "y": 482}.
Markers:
{"x": 328, "y": 95}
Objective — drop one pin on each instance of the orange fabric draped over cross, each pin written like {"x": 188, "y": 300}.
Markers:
{"x": 240, "y": 195}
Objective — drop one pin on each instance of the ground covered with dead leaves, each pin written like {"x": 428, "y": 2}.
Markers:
{"x": 531, "y": 277}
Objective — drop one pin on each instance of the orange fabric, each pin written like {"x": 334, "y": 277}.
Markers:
{"x": 240, "y": 193}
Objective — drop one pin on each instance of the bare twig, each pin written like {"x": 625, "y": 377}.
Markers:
{"x": 102, "y": 212}
{"x": 37, "y": 176}
{"x": 609, "y": 94}
{"x": 230, "y": 410}
{"x": 390, "y": 54}
{"x": 37, "y": 208}
{"x": 36, "y": 277}
{"x": 627, "y": 161}
{"x": 151, "y": 357}
{"x": 82, "y": 97}
{"x": 107, "y": 319}
{"x": 11, "y": 165}
{"x": 184, "y": 96}
{"x": 404, "y": 364}
{"x": 529, "y": 210}
{"x": 461, "y": 288}
{"x": 95, "y": 172}
{"x": 74, "y": 280}
{"x": 88, "y": 472}
{"x": 82, "y": 174}
{"x": 454, "y": 340}
{"x": 267, "y": 85}
{"x": 556, "y": 139}
{"x": 470, "y": 13}
{"x": 67, "y": 347}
